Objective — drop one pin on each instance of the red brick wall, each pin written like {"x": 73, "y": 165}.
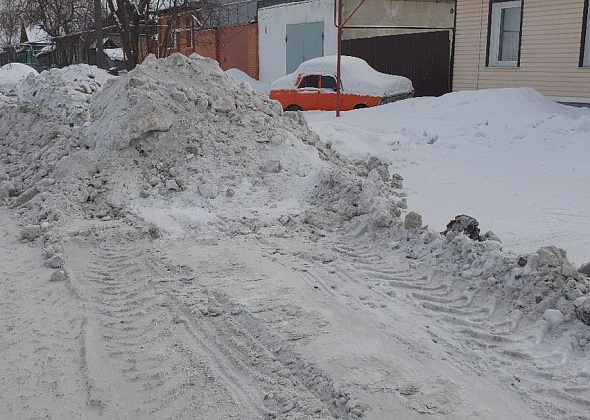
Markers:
{"x": 238, "y": 48}
{"x": 206, "y": 43}
{"x": 232, "y": 46}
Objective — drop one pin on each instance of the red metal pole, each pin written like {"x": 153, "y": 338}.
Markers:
{"x": 338, "y": 59}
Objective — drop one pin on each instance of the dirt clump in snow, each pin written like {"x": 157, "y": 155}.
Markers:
{"x": 465, "y": 224}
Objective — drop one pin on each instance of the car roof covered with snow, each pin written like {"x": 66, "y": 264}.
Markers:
{"x": 357, "y": 76}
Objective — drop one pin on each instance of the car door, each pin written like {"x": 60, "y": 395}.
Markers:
{"x": 307, "y": 92}
{"x": 327, "y": 93}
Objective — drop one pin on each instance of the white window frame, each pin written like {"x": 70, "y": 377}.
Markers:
{"x": 174, "y": 40}
{"x": 494, "y": 46}
{"x": 586, "y": 52}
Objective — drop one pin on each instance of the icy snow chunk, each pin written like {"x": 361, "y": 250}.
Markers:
{"x": 553, "y": 316}
{"x": 224, "y": 104}
{"x": 382, "y": 218}
{"x": 208, "y": 190}
{"x": 413, "y": 220}
{"x": 30, "y": 232}
{"x": 271, "y": 166}
{"x": 582, "y": 306}
{"x": 171, "y": 185}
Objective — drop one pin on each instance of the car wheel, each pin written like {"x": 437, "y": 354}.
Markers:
{"x": 293, "y": 108}
{"x": 360, "y": 106}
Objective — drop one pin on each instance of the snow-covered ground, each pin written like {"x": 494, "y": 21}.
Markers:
{"x": 174, "y": 246}
{"x": 511, "y": 158}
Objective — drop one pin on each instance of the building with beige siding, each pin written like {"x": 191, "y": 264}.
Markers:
{"x": 543, "y": 44}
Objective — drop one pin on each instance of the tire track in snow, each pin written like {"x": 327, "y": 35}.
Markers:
{"x": 149, "y": 341}
{"x": 138, "y": 358}
{"x": 516, "y": 348}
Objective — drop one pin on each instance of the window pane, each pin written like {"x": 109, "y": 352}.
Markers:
{"x": 511, "y": 19}
{"x": 509, "y": 34}
{"x": 508, "y": 46}
{"x": 309, "y": 81}
{"x": 328, "y": 82}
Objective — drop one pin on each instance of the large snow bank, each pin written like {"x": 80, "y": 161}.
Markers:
{"x": 240, "y": 77}
{"x": 356, "y": 75}
{"x": 13, "y": 73}
{"x": 515, "y": 160}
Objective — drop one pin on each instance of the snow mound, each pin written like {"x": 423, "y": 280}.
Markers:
{"x": 240, "y": 77}
{"x": 177, "y": 130}
{"x": 83, "y": 77}
{"x": 533, "y": 283}
{"x": 13, "y": 73}
{"x": 62, "y": 92}
{"x": 154, "y": 96}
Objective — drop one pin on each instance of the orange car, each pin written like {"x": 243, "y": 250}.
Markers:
{"x": 313, "y": 86}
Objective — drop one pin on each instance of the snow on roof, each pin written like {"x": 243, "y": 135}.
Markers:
{"x": 115, "y": 54}
{"x": 46, "y": 49}
{"x": 357, "y": 76}
{"x": 240, "y": 77}
{"x": 37, "y": 35}
{"x": 13, "y": 73}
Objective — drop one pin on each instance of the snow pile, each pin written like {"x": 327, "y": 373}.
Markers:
{"x": 175, "y": 133}
{"x": 357, "y": 77}
{"x": 12, "y": 73}
{"x": 178, "y": 130}
{"x": 532, "y": 283}
{"x": 512, "y": 158}
{"x": 240, "y": 77}
{"x": 191, "y": 124}
{"x": 83, "y": 77}
{"x": 49, "y": 94}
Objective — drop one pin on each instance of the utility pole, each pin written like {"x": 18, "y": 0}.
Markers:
{"x": 98, "y": 32}
{"x": 339, "y": 58}
{"x": 339, "y": 22}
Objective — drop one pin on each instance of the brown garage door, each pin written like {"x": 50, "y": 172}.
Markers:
{"x": 423, "y": 58}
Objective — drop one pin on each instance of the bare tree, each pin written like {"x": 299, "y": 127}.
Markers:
{"x": 98, "y": 33}
{"x": 11, "y": 20}
{"x": 131, "y": 17}
{"x": 61, "y": 17}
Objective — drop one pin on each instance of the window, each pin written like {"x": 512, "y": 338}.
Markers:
{"x": 328, "y": 82}
{"x": 189, "y": 37}
{"x": 188, "y": 32}
{"x": 585, "y": 55}
{"x": 173, "y": 34}
{"x": 309, "y": 82}
{"x": 504, "y": 33}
